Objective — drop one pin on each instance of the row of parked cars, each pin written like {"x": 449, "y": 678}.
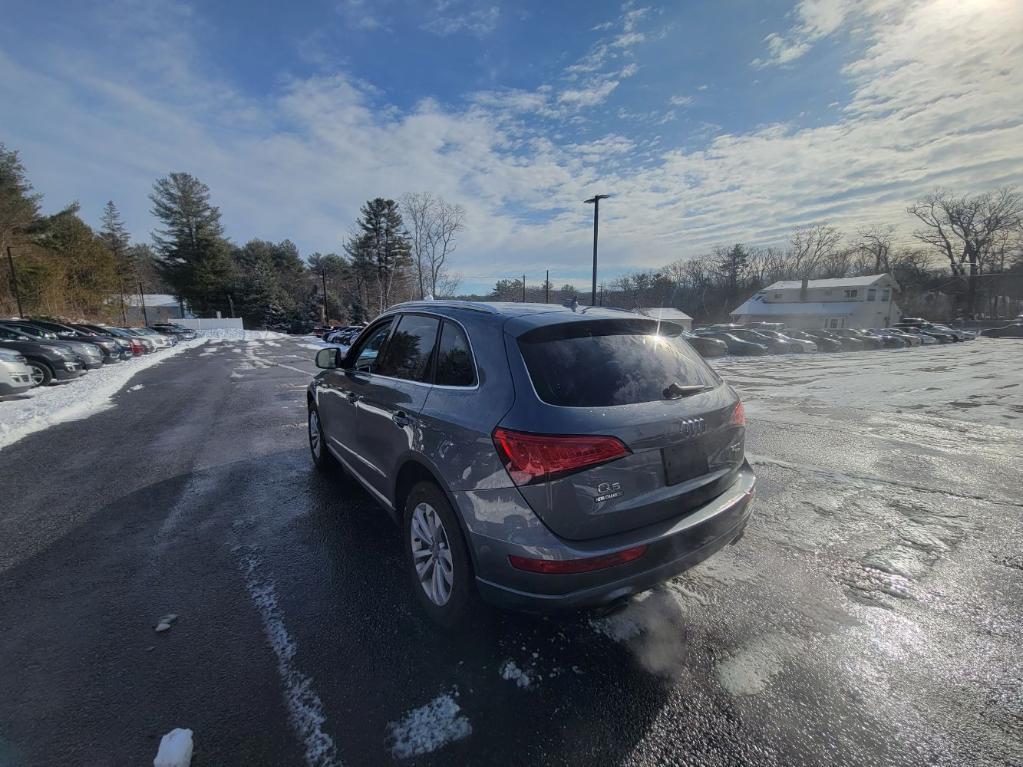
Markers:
{"x": 42, "y": 351}
{"x": 343, "y": 336}
{"x": 771, "y": 338}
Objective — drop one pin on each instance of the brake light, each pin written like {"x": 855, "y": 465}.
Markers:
{"x": 570, "y": 566}
{"x": 738, "y": 416}
{"x": 533, "y": 458}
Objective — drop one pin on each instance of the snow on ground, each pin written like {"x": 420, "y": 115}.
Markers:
{"x": 82, "y": 397}
{"x": 511, "y": 672}
{"x": 236, "y": 334}
{"x": 428, "y": 727}
{"x": 975, "y": 381}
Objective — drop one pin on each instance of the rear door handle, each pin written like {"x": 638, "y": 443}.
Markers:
{"x": 401, "y": 418}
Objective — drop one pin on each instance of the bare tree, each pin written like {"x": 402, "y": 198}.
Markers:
{"x": 877, "y": 242}
{"x": 810, "y": 245}
{"x": 965, "y": 229}
{"x": 433, "y": 226}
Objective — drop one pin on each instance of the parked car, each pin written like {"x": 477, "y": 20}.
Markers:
{"x": 15, "y": 374}
{"x": 707, "y": 347}
{"x": 90, "y": 355}
{"x": 940, "y": 337}
{"x": 1012, "y": 330}
{"x": 868, "y": 341}
{"x": 151, "y": 338}
{"x": 543, "y": 458}
{"x": 773, "y": 344}
{"x": 109, "y": 348}
{"x": 913, "y": 339}
{"x": 735, "y": 345}
{"x": 847, "y": 343}
{"x": 800, "y": 344}
{"x": 824, "y": 344}
{"x": 49, "y": 362}
{"x": 344, "y": 336}
{"x": 173, "y": 329}
{"x": 136, "y": 345}
{"x": 890, "y": 340}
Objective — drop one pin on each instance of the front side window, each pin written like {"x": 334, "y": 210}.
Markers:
{"x": 454, "y": 358}
{"x": 365, "y": 359}
{"x": 410, "y": 348}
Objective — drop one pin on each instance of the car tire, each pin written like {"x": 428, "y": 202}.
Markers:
{"x": 432, "y": 538}
{"x": 323, "y": 460}
{"x": 42, "y": 373}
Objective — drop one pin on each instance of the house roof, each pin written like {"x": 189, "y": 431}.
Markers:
{"x": 830, "y": 308}
{"x": 835, "y": 282}
{"x": 664, "y": 313}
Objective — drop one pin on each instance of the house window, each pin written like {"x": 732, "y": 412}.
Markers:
{"x": 832, "y": 323}
{"x": 872, "y": 294}
{"x": 886, "y": 294}
{"x": 851, "y": 293}
{"x": 777, "y": 295}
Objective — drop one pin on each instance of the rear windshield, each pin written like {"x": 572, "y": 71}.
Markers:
{"x": 612, "y": 362}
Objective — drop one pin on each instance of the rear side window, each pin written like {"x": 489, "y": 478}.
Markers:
{"x": 454, "y": 358}
{"x": 410, "y": 348}
{"x": 611, "y": 362}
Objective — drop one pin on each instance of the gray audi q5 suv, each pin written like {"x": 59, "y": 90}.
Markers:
{"x": 541, "y": 457}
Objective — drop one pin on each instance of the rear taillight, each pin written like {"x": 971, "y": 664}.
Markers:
{"x": 533, "y": 458}
{"x": 738, "y": 416}
{"x": 569, "y": 566}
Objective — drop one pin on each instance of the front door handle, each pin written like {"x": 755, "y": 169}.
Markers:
{"x": 351, "y": 396}
{"x": 401, "y": 418}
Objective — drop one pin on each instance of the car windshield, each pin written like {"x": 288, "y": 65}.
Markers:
{"x": 611, "y": 362}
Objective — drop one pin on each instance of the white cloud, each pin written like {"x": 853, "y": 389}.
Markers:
{"x": 478, "y": 22}
{"x": 680, "y": 101}
{"x": 815, "y": 19}
{"x": 934, "y": 100}
{"x": 361, "y": 15}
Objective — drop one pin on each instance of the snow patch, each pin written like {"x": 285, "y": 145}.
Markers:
{"x": 305, "y": 709}
{"x": 45, "y": 406}
{"x": 512, "y": 673}
{"x": 429, "y": 727}
{"x": 136, "y": 387}
{"x": 175, "y": 749}
{"x": 236, "y": 334}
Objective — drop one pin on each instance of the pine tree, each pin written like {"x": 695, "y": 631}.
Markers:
{"x": 192, "y": 255}
{"x": 380, "y": 251}
{"x": 115, "y": 236}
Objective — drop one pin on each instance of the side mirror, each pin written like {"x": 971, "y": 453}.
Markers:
{"x": 326, "y": 359}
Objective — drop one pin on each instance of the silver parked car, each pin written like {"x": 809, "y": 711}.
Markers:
{"x": 15, "y": 374}
{"x": 541, "y": 457}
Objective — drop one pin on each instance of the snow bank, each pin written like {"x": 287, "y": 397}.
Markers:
{"x": 45, "y": 406}
{"x": 236, "y": 334}
{"x": 429, "y": 727}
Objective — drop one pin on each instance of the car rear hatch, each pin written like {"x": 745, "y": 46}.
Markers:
{"x": 665, "y": 433}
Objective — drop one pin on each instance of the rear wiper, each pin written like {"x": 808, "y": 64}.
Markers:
{"x": 676, "y": 390}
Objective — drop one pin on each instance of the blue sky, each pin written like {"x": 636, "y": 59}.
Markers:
{"x": 710, "y": 122}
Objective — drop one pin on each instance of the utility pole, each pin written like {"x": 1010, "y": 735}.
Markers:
{"x": 230, "y": 302}
{"x": 595, "y": 202}
{"x": 547, "y": 288}
{"x": 14, "y": 281}
{"x": 523, "y": 288}
{"x": 142, "y": 298}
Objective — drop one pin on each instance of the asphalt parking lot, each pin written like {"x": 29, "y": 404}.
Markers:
{"x": 871, "y": 615}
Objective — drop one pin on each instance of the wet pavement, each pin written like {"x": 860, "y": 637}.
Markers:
{"x": 871, "y": 615}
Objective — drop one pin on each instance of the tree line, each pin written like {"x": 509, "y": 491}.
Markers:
{"x": 60, "y": 266}
{"x": 966, "y": 260}
{"x": 398, "y": 250}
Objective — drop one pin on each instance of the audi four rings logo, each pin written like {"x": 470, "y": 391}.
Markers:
{"x": 692, "y": 427}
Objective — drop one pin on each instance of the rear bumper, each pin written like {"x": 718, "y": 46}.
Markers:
{"x": 673, "y": 546}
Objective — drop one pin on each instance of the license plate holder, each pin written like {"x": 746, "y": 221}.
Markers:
{"x": 684, "y": 462}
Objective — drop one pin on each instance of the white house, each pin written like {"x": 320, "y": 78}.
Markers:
{"x": 843, "y": 302}
{"x": 667, "y": 314}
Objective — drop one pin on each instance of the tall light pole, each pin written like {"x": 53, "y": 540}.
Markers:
{"x": 595, "y": 202}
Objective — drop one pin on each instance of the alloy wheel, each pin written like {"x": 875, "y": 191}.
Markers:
{"x": 431, "y": 554}
{"x": 314, "y": 433}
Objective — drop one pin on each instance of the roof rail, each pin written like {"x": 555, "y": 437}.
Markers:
{"x": 474, "y": 306}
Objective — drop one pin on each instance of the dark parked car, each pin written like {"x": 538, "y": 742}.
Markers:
{"x": 172, "y": 329}
{"x": 134, "y": 343}
{"x": 868, "y": 341}
{"x": 890, "y": 340}
{"x": 540, "y": 457}
{"x": 49, "y": 361}
{"x": 824, "y": 344}
{"x": 706, "y": 346}
{"x": 90, "y": 355}
{"x": 912, "y": 327}
{"x": 735, "y": 344}
{"x": 112, "y": 351}
{"x": 1012, "y": 330}
{"x": 848, "y": 344}
{"x": 773, "y": 345}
